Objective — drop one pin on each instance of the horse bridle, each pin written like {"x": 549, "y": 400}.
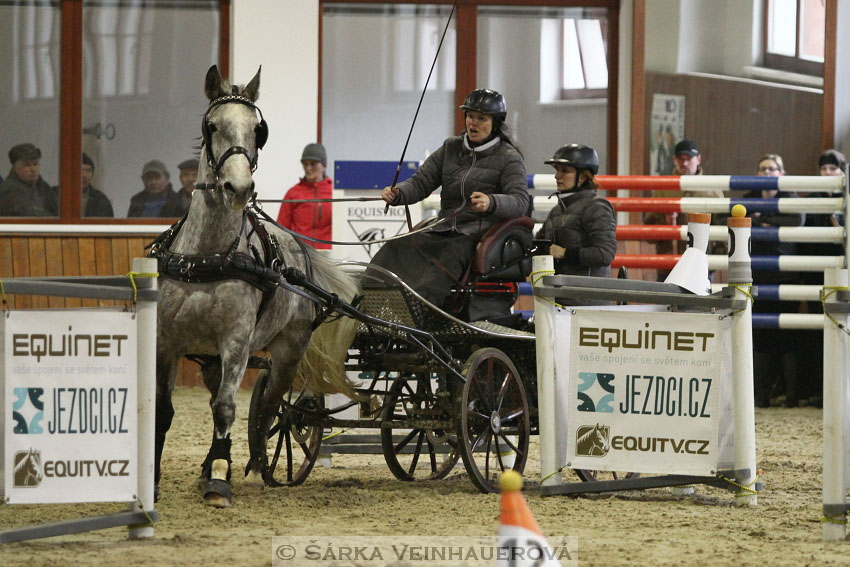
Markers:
{"x": 261, "y": 135}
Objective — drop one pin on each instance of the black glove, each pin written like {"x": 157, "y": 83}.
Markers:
{"x": 572, "y": 254}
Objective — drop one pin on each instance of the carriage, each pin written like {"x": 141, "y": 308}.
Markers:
{"x": 439, "y": 388}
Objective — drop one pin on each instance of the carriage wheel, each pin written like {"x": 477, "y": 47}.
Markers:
{"x": 417, "y": 454}
{"x": 291, "y": 434}
{"x": 494, "y": 424}
{"x": 587, "y": 475}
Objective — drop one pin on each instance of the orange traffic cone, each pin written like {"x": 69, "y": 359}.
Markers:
{"x": 521, "y": 542}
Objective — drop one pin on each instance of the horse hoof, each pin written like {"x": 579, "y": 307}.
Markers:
{"x": 254, "y": 478}
{"x": 217, "y": 488}
{"x": 217, "y": 494}
{"x": 217, "y": 500}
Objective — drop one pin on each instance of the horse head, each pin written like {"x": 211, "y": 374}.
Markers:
{"x": 233, "y": 133}
{"x": 601, "y": 434}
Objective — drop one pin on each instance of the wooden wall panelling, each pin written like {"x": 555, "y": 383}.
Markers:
{"x": 88, "y": 264}
{"x": 6, "y": 269}
{"x": 21, "y": 268}
{"x": 71, "y": 266}
{"x": 734, "y": 122}
{"x": 136, "y": 248}
{"x": 103, "y": 261}
{"x": 38, "y": 268}
{"x": 55, "y": 267}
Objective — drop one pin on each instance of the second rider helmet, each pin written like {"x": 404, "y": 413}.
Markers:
{"x": 578, "y": 156}
{"x": 486, "y": 101}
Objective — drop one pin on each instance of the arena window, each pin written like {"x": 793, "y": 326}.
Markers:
{"x": 794, "y": 33}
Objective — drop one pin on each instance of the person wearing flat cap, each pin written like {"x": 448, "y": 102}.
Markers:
{"x": 310, "y": 219}
{"x": 178, "y": 204}
{"x": 24, "y": 193}
{"x": 687, "y": 160}
{"x": 94, "y": 202}
{"x": 150, "y": 201}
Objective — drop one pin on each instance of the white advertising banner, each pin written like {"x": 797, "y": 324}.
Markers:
{"x": 645, "y": 390}
{"x": 69, "y": 405}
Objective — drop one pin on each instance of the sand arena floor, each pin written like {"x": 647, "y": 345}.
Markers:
{"x": 359, "y": 496}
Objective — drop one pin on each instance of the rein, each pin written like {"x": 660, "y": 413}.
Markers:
{"x": 299, "y": 236}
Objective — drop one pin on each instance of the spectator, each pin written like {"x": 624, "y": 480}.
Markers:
{"x": 310, "y": 219}
{"x": 773, "y": 362}
{"x": 483, "y": 179}
{"x": 94, "y": 203}
{"x": 24, "y": 193}
{"x": 687, "y": 160}
{"x": 809, "y": 343}
{"x": 150, "y": 201}
{"x": 178, "y": 204}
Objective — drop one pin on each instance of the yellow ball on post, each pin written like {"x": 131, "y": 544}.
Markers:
{"x": 739, "y": 211}
{"x": 511, "y": 481}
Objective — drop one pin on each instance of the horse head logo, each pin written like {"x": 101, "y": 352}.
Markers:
{"x": 592, "y": 440}
{"x": 370, "y": 236}
{"x": 28, "y": 469}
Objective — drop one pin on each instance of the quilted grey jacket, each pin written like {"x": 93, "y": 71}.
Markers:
{"x": 495, "y": 168}
{"x": 585, "y": 221}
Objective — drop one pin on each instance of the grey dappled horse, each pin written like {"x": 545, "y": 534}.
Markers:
{"x": 221, "y": 317}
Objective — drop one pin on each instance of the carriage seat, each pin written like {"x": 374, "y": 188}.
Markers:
{"x": 502, "y": 253}
{"x": 488, "y": 289}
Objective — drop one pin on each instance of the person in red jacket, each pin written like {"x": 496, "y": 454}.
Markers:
{"x": 310, "y": 219}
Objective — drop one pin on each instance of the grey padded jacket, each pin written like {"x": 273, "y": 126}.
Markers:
{"x": 495, "y": 168}
{"x": 585, "y": 220}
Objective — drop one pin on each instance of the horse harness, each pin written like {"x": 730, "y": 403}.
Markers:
{"x": 267, "y": 271}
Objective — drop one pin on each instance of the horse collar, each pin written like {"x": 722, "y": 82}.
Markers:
{"x": 261, "y": 270}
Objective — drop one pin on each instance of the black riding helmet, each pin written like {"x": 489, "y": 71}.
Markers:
{"x": 486, "y": 101}
{"x": 578, "y": 156}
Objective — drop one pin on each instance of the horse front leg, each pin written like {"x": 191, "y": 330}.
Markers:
{"x": 217, "y": 489}
{"x": 166, "y": 374}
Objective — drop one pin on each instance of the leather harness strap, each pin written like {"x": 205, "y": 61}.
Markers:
{"x": 263, "y": 271}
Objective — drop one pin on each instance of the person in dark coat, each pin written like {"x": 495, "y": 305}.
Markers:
{"x": 583, "y": 226}
{"x": 178, "y": 204}
{"x": 773, "y": 362}
{"x": 482, "y": 175}
{"x": 24, "y": 193}
{"x": 150, "y": 201}
{"x": 809, "y": 343}
{"x": 94, "y": 202}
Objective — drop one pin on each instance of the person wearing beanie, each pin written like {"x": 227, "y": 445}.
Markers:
{"x": 178, "y": 204}
{"x": 482, "y": 175}
{"x": 310, "y": 219}
{"x": 150, "y": 201}
{"x": 832, "y": 162}
{"x": 809, "y": 344}
{"x": 24, "y": 193}
{"x": 94, "y": 202}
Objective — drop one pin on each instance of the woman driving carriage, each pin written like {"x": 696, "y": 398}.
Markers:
{"x": 482, "y": 174}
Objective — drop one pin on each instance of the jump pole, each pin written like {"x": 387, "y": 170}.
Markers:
{"x": 544, "y": 332}
{"x": 741, "y": 278}
{"x": 146, "y": 380}
{"x": 835, "y": 407}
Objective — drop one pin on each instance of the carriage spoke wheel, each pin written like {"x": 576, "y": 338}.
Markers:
{"x": 418, "y": 453}
{"x": 293, "y": 438}
{"x": 494, "y": 425}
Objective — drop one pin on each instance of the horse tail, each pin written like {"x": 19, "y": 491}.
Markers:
{"x": 322, "y": 368}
